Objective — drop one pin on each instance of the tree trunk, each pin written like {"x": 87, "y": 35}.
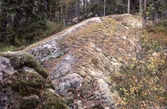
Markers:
{"x": 134, "y": 5}
{"x": 153, "y": 14}
{"x": 140, "y": 8}
{"x": 59, "y": 11}
{"x": 128, "y": 6}
{"x": 104, "y": 7}
{"x": 64, "y": 19}
{"x": 12, "y": 41}
{"x": 50, "y": 11}
{"x": 78, "y": 10}
{"x": 144, "y": 14}
{"x": 3, "y": 25}
{"x": 84, "y": 9}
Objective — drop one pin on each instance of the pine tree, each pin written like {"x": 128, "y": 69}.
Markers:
{"x": 22, "y": 19}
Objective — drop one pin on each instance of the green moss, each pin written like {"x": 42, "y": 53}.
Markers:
{"x": 29, "y": 103}
{"x": 49, "y": 84}
{"x": 6, "y": 47}
{"x": 52, "y": 101}
{"x": 28, "y": 83}
{"x": 19, "y": 59}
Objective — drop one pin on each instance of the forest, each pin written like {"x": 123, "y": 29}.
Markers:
{"x": 83, "y": 54}
{"x": 26, "y": 21}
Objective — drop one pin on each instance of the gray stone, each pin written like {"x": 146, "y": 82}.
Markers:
{"x": 63, "y": 67}
{"x": 69, "y": 81}
{"x": 48, "y": 50}
{"x": 79, "y": 104}
{"x": 30, "y": 70}
{"x": 5, "y": 67}
{"x": 32, "y": 97}
{"x": 22, "y": 85}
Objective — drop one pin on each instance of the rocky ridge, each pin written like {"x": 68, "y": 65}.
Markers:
{"x": 79, "y": 61}
{"x": 82, "y": 59}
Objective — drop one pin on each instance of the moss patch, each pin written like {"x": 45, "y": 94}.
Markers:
{"x": 20, "y": 59}
{"x": 28, "y": 83}
{"x": 52, "y": 101}
{"x": 29, "y": 103}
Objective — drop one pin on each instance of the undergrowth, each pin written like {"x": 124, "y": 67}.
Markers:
{"x": 158, "y": 32}
{"x": 142, "y": 84}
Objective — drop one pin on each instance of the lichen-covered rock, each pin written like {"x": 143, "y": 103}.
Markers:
{"x": 64, "y": 67}
{"x": 128, "y": 20}
{"x": 20, "y": 59}
{"x": 24, "y": 84}
{"x": 55, "y": 47}
{"x": 69, "y": 81}
{"x": 5, "y": 67}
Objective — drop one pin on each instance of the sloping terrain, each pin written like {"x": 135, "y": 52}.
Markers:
{"x": 100, "y": 63}
{"x": 82, "y": 59}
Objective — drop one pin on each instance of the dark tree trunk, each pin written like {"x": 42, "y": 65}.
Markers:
{"x": 12, "y": 40}
{"x": 59, "y": 11}
{"x": 3, "y": 26}
{"x": 78, "y": 10}
{"x": 84, "y": 9}
{"x": 140, "y": 7}
{"x": 134, "y": 5}
{"x": 50, "y": 11}
{"x": 153, "y": 13}
{"x": 144, "y": 14}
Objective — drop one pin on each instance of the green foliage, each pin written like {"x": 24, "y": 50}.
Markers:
{"x": 6, "y": 47}
{"x": 157, "y": 9}
{"x": 22, "y": 19}
{"x": 163, "y": 22}
{"x": 158, "y": 33}
{"x": 160, "y": 6}
{"x": 46, "y": 100}
{"x": 52, "y": 27}
{"x": 52, "y": 101}
{"x": 29, "y": 103}
{"x": 150, "y": 44}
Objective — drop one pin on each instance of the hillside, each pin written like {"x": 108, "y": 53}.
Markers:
{"x": 105, "y": 63}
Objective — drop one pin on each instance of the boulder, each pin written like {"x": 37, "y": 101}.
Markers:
{"x": 24, "y": 84}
